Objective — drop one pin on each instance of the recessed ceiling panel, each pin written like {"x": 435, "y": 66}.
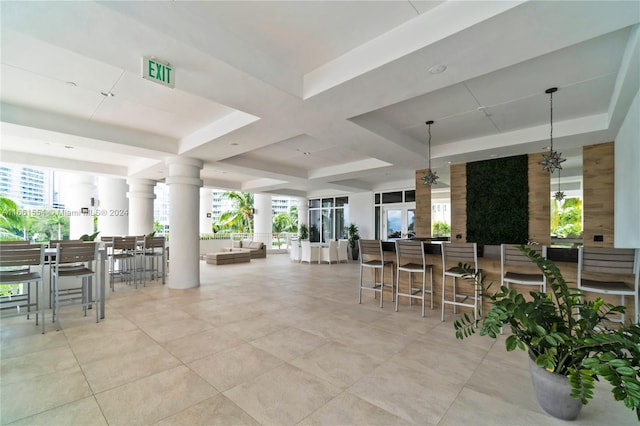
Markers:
{"x": 583, "y": 99}
{"x": 565, "y": 67}
{"x": 467, "y": 126}
{"x": 25, "y": 88}
{"x": 304, "y": 34}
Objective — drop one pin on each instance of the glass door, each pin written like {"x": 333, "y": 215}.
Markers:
{"x": 398, "y": 221}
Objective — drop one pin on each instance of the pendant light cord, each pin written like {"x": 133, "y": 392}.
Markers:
{"x": 429, "y": 146}
{"x": 551, "y": 118}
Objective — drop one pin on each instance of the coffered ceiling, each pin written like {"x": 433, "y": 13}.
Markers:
{"x": 311, "y": 97}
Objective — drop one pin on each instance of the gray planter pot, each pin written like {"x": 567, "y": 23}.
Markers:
{"x": 554, "y": 393}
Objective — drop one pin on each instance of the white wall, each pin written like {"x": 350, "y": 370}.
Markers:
{"x": 361, "y": 213}
{"x": 627, "y": 179}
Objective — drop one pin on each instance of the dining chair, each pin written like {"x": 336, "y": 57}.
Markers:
{"x": 343, "y": 255}
{"x": 452, "y": 255}
{"x": 329, "y": 253}
{"x": 372, "y": 258}
{"x": 411, "y": 258}
{"x": 23, "y": 263}
{"x": 308, "y": 253}
{"x": 515, "y": 267}
{"x": 82, "y": 256}
{"x": 612, "y": 271}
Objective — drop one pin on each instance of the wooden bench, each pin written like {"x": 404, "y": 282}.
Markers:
{"x": 225, "y": 258}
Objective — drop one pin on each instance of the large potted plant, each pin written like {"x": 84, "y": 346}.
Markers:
{"x": 569, "y": 340}
{"x": 303, "y": 232}
{"x": 354, "y": 235}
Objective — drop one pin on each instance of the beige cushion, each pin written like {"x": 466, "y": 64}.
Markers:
{"x": 255, "y": 245}
{"x": 237, "y": 244}
{"x": 246, "y": 243}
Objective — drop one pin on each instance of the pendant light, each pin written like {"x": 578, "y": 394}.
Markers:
{"x": 559, "y": 195}
{"x": 552, "y": 161}
{"x": 430, "y": 177}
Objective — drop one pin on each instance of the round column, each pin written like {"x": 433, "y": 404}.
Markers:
{"x": 76, "y": 193}
{"x": 303, "y": 211}
{"x": 184, "y": 237}
{"x": 112, "y": 207}
{"x": 206, "y": 206}
{"x": 262, "y": 219}
{"x": 141, "y": 198}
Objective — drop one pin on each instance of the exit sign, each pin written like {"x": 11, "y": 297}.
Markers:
{"x": 158, "y": 71}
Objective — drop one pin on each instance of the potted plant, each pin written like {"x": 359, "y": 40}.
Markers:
{"x": 568, "y": 340}
{"x": 353, "y": 235}
{"x": 304, "y": 232}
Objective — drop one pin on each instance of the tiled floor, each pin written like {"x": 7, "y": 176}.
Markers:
{"x": 270, "y": 342}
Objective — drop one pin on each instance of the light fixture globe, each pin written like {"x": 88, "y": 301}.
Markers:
{"x": 430, "y": 177}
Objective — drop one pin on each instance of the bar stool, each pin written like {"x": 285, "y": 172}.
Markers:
{"x": 372, "y": 257}
{"x": 513, "y": 264}
{"x": 454, "y": 253}
{"x": 154, "y": 248}
{"x": 410, "y": 257}
{"x": 610, "y": 271}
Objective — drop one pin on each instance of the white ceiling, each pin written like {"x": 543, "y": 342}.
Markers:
{"x": 311, "y": 97}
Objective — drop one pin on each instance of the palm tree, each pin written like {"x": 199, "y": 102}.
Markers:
{"x": 282, "y": 222}
{"x": 241, "y": 218}
{"x": 12, "y": 224}
{"x": 57, "y": 220}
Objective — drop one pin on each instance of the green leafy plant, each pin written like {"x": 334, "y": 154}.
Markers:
{"x": 87, "y": 237}
{"x": 440, "y": 229}
{"x": 353, "y": 235}
{"x": 304, "y": 232}
{"x": 563, "y": 333}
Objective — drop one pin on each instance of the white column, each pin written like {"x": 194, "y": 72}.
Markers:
{"x": 263, "y": 218}
{"x": 184, "y": 239}
{"x": 303, "y": 211}
{"x": 112, "y": 207}
{"x": 76, "y": 193}
{"x": 206, "y": 205}
{"x": 141, "y": 198}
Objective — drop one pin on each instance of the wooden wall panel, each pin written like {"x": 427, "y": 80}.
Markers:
{"x": 598, "y": 194}
{"x": 423, "y": 206}
{"x": 539, "y": 201}
{"x": 458, "y": 202}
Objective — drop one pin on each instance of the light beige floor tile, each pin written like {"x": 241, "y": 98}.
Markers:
{"x": 289, "y": 343}
{"x": 455, "y": 363}
{"x": 503, "y": 381}
{"x": 170, "y": 330}
{"x": 348, "y": 409}
{"x": 153, "y": 398}
{"x": 35, "y": 395}
{"x": 35, "y": 342}
{"x": 83, "y": 412}
{"x": 200, "y": 345}
{"x": 116, "y": 370}
{"x": 282, "y": 396}
{"x": 473, "y": 407}
{"x": 108, "y": 344}
{"x": 337, "y": 364}
{"x": 36, "y": 364}
{"x": 215, "y": 411}
{"x": 229, "y": 368}
{"x": 253, "y": 328}
{"x": 379, "y": 343}
{"x": 412, "y": 395}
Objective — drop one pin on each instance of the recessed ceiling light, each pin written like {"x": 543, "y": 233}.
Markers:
{"x": 437, "y": 69}
{"x": 107, "y": 94}
{"x": 234, "y": 144}
{"x": 68, "y": 146}
{"x": 306, "y": 153}
{"x": 71, "y": 83}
